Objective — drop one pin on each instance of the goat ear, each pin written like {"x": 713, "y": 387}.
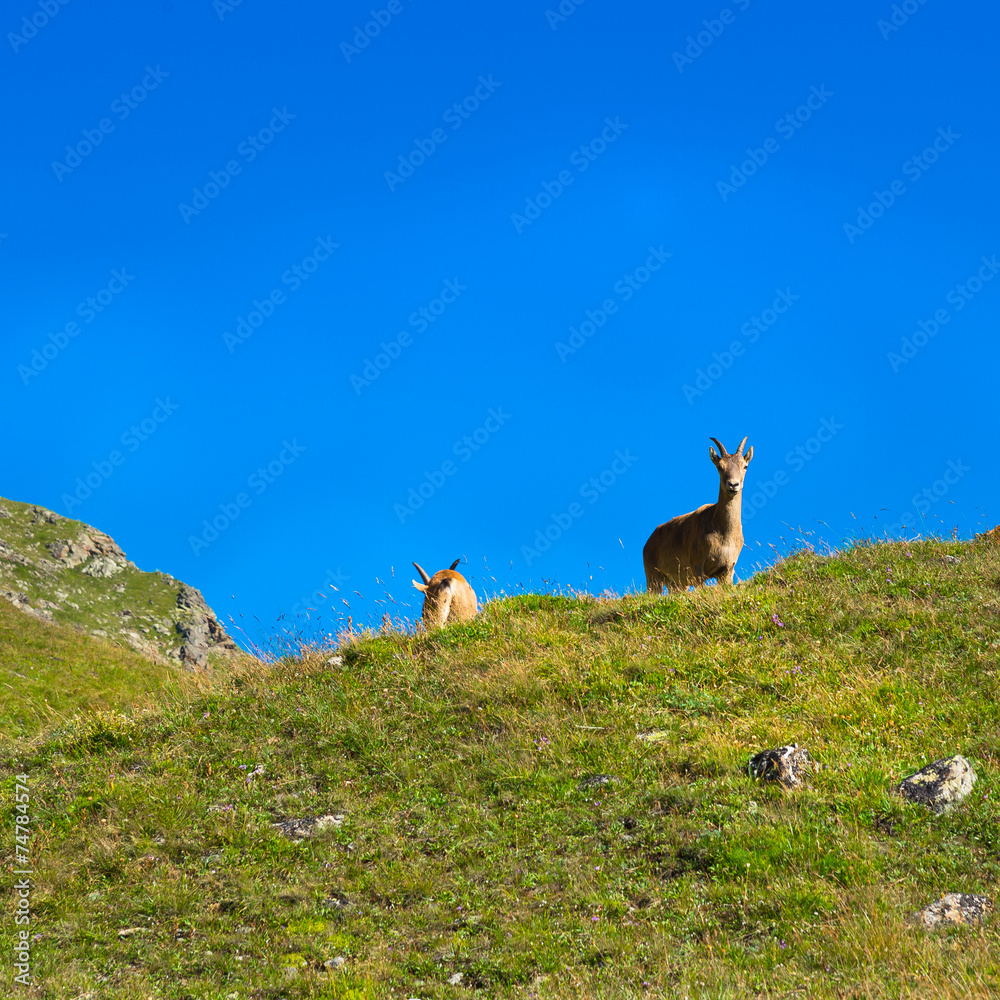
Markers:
{"x": 748, "y": 456}
{"x": 712, "y": 455}
{"x": 420, "y": 586}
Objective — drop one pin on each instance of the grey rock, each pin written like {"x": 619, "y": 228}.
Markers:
{"x": 654, "y": 736}
{"x": 45, "y": 516}
{"x": 941, "y": 785}
{"x": 596, "y": 781}
{"x": 954, "y": 908}
{"x": 23, "y": 603}
{"x": 308, "y": 826}
{"x": 102, "y": 566}
{"x": 788, "y": 765}
{"x": 191, "y": 599}
{"x": 199, "y": 629}
{"x": 10, "y": 555}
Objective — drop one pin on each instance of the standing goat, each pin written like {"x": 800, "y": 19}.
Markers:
{"x": 447, "y": 597}
{"x": 705, "y": 543}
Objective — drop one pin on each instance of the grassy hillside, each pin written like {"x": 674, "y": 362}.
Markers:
{"x": 470, "y": 840}
{"x": 67, "y": 572}
{"x": 51, "y": 673}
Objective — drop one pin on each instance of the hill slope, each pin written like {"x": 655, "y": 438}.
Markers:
{"x": 496, "y": 817}
{"x": 60, "y": 570}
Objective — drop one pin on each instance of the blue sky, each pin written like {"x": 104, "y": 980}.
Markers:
{"x": 361, "y": 285}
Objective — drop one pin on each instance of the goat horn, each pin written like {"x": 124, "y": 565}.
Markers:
{"x": 423, "y": 573}
{"x": 455, "y": 563}
{"x": 720, "y": 446}
{"x": 739, "y": 451}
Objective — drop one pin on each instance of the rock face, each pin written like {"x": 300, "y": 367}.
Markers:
{"x": 66, "y": 572}
{"x": 199, "y": 628}
{"x": 939, "y": 786}
{"x": 954, "y": 908}
{"x": 788, "y": 765}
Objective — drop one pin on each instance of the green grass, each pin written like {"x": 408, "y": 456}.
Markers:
{"x": 469, "y": 844}
{"x": 51, "y": 673}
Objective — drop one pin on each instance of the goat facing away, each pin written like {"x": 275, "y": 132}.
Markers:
{"x": 447, "y": 597}
{"x": 705, "y": 543}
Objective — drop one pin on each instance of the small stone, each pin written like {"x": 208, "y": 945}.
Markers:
{"x": 939, "y": 786}
{"x": 308, "y": 826}
{"x": 455, "y": 980}
{"x": 327, "y": 822}
{"x": 654, "y": 736}
{"x": 596, "y": 781}
{"x": 788, "y": 765}
{"x": 335, "y": 963}
{"x": 335, "y": 661}
{"x": 954, "y": 908}
{"x": 951, "y": 560}
{"x": 101, "y": 566}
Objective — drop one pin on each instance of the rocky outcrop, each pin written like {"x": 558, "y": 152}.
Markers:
{"x": 954, "y": 908}
{"x": 939, "y": 786}
{"x": 787, "y": 765}
{"x": 87, "y": 548}
{"x": 66, "y": 572}
{"x": 200, "y": 629}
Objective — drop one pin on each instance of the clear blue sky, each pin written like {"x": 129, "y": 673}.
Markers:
{"x": 303, "y": 265}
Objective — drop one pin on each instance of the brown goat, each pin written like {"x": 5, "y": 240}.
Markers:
{"x": 447, "y": 597}
{"x": 704, "y": 544}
